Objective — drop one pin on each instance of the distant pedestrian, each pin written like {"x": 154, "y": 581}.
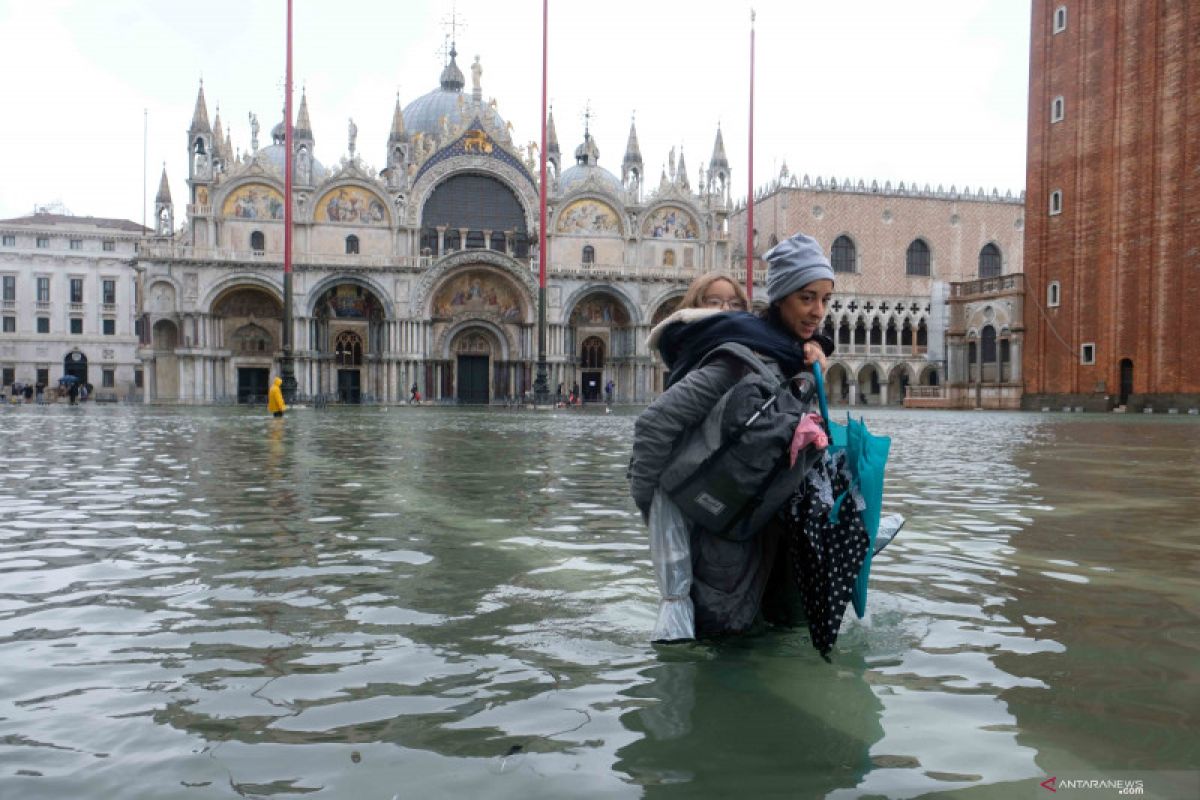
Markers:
{"x": 73, "y": 393}
{"x": 275, "y": 403}
{"x": 414, "y": 395}
{"x": 608, "y": 391}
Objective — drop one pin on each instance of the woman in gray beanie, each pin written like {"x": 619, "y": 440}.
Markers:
{"x": 734, "y": 584}
{"x": 799, "y": 285}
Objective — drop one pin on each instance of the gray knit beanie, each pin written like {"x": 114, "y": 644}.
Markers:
{"x": 793, "y": 264}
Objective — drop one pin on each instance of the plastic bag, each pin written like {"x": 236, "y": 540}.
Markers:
{"x": 671, "y": 553}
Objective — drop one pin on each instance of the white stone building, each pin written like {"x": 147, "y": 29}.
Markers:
{"x": 425, "y": 272}
{"x": 68, "y": 302}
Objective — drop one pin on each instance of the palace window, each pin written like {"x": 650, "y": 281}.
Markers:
{"x": 348, "y": 349}
{"x": 916, "y": 260}
{"x": 1053, "y": 294}
{"x": 989, "y": 261}
{"x": 43, "y": 324}
{"x": 108, "y": 378}
{"x": 592, "y": 356}
{"x": 10, "y": 288}
{"x": 351, "y": 245}
{"x": 108, "y": 246}
{"x": 76, "y": 290}
{"x": 43, "y": 290}
{"x": 10, "y": 324}
{"x": 10, "y": 241}
{"x": 589, "y": 254}
{"x": 76, "y": 326}
{"x": 108, "y": 292}
{"x": 258, "y": 242}
{"x": 43, "y": 242}
{"x": 843, "y": 255}
{"x": 109, "y": 327}
{"x": 76, "y": 244}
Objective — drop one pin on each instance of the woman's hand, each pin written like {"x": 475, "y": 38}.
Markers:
{"x": 814, "y": 354}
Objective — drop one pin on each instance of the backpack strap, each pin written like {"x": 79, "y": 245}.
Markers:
{"x": 743, "y": 354}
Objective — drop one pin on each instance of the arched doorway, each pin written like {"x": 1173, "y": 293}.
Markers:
{"x": 348, "y": 358}
{"x": 666, "y": 309}
{"x": 348, "y": 329}
{"x": 868, "y": 385}
{"x": 601, "y": 334}
{"x": 472, "y": 350}
{"x": 898, "y": 382}
{"x": 837, "y": 388}
{"x": 165, "y": 338}
{"x": 75, "y": 365}
{"x": 591, "y": 364}
{"x": 251, "y": 324}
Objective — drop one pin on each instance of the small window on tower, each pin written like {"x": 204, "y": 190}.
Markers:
{"x": 1087, "y": 353}
{"x": 1058, "y": 109}
{"x": 1056, "y": 202}
{"x": 1053, "y": 294}
{"x": 1060, "y": 19}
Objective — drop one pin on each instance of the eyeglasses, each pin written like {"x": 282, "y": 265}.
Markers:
{"x": 733, "y": 304}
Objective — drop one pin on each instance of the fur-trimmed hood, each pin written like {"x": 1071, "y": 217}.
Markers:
{"x": 682, "y": 315}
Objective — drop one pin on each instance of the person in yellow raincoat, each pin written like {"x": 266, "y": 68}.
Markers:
{"x": 275, "y": 402}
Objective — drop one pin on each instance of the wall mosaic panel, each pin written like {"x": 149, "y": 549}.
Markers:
{"x": 588, "y": 216}
{"x": 254, "y": 201}
{"x": 351, "y": 204}
{"x": 671, "y": 222}
{"x": 477, "y": 291}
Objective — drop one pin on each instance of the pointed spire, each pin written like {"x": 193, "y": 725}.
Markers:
{"x": 633, "y": 153}
{"x": 200, "y": 115}
{"x": 681, "y": 172}
{"x": 551, "y": 136}
{"x": 718, "y": 160}
{"x": 303, "y": 129}
{"x": 397, "y": 133}
{"x": 164, "y": 190}
{"x": 228, "y": 145}
{"x": 452, "y": 77}
{"x": 218, "y": 136}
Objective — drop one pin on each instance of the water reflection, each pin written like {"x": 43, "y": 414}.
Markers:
{"x": 212, "y": 603}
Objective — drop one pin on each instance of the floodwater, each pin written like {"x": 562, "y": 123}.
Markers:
{"x": 421, "y": 602}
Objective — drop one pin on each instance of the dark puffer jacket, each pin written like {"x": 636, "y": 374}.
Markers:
{"x": 729, "y": 579}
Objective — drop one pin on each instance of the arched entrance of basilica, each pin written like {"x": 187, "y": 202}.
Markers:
{"x": 601, "y": 344}
{"x": 348, "y": 333}
{"x": 250, "y": 322}
{"x": 478, "y": 316}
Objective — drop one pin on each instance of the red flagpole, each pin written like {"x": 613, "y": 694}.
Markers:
{"x": 541, "y": 383}
{"x": 750, "y": 172}
{"x": 287, "y": 369}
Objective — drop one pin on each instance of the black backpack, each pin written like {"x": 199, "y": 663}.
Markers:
{"x": 731, "y": 474}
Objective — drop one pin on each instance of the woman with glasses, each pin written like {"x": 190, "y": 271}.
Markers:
{"x": 733, "y": 584}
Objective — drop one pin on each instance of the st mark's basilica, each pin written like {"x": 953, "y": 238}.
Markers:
{"x": 425, "y": 272}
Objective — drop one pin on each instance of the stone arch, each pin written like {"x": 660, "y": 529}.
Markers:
{"x": 928, "y": 376}
{"x": 445, "y": 345}
{"x": 241, "y": 280}
{"x": 868, "y": 388}
{"x": 365, "y": 281}
{"x": 253, "y": 197}
{"x": 162, "y": 295}
{"x": 837, "y": 382}
{"x": 665, "y": 305}
{"x": 164, "y": 336}
{"x": 573, "y": 215}
{"x": 478, "y": 291}
{"x": 631, "y": 309}
{"x": 350, "y": 202}
{"x": 900, "y": 377}
{"x": 516, "y": 180}
{"x": 421, "y": 300}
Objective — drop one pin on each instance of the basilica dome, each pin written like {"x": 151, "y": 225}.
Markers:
{"x": 448, "y": 100}
{"x": 587, "y": 168}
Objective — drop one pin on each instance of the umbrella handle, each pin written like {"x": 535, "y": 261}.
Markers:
{"x": 820, "y": 381}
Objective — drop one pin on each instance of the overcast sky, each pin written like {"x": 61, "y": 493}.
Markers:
{"x": 931, "y": 91}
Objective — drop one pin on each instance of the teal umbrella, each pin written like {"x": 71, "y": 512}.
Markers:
{"x": 866, "y": 458}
